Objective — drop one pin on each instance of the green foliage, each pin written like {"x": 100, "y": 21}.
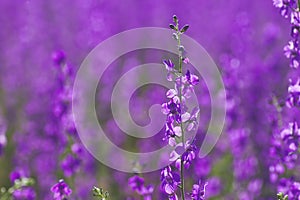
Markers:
{"x": 6, "y": 194}
{"x": 281, "y": 196}
{"x": 100, "y": 193}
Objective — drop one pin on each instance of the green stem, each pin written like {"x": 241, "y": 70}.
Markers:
{"x": 181, "y": 126}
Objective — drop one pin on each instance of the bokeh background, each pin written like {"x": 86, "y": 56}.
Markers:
{"x": 245, "y": 39}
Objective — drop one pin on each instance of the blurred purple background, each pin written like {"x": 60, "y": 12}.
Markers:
{"x": 245, "y": 39}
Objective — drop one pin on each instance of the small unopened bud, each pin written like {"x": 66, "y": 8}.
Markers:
{"x": 175, "y": 19}
{"x": 186, "y": 60}
{"x": 175, "y": 36}
{"x": 184, "y": 28}
{"x": 181, "y": 48}
{"x": 172, "y": 26}
{"x": 59, "y": 57}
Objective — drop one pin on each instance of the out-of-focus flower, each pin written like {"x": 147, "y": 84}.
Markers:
{"x": 16, "y": 175}
{"x": 25, "y": 193}
{"x": 70, "y": 165}
{"x": 61, "y": 190}
{"x": 214, "y": 187}
{"x": 136, "y": 183}
{"x": 3, "y": 140}
{"x": 59, "y": 57}
{"x": 147, "y": 192}
{"x": 198, "y": 191}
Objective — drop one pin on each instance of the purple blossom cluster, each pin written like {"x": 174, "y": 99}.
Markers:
{"x": 21, "y": 190}
{"x": 179, "y": 121}
{"x": 137, "y": 184}
{"x": 61, "y": 190}
{"x": 285, "y": 143}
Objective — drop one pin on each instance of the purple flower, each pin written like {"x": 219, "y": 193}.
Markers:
{"x": 295, "y": 18}
{"x": 214, "y": 187}
{"x": 59, "y": 57}
{"x": 70, "y": 165}
{"x": 136, "y": 183}
{"x": 291, "y": 138}
{"x": 173, "y": 111}
{"x": 61, "y": 190}
{"x": 284, "y": 6}
{"x": 191, "y": 78}
{"x": 169, "y": 182}
{"x": 294, "y": 94}
{"x": 289, "y": 187}
{"x": 147, "y": 192}
{"x": 292, "y": 51}
{"x": 170, "y": 69}
{"x": 16, "y": 175}
{"x": 169, "y": 65}
{"x": 186, "y": 60}
{"x": 278, "y": 3}
{"x": 25, "y": 193}
{"x": 188, "y": 154}
{"x": 198, "y": 191}
{"x": 77, "y": 149}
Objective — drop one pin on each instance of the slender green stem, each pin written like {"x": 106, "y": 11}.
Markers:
{"x": 181, "y": 126}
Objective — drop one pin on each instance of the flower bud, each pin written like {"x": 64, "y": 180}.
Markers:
{"x": 172, "y": 27}
{"x": 175, "y": 19}
{"x": 184, "y": 28}
{"x": 175, "y": 36}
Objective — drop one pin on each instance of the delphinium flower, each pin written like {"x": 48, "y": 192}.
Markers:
{"x": 293, "y": 99}
{"x": 292, "y": 49}
{"x": 73, "y": 156}
{"x": 286, "y": 138}
{"x": 244, "y": 140}
{"x": 137, "y": 184}
{"x": 285, "y": 6}
{"x": 63, "y": 120}
{"x": 61, "y": 191}
{"x": 240, "y": 147}
{"x": 70, "y": 165}
{"x": 290, "y": 188}
{"x": 198, "y": 191}
{"x": 179, "y": 119}
{"x": 170, "y": 181}
{"x": 284, "y": 151}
